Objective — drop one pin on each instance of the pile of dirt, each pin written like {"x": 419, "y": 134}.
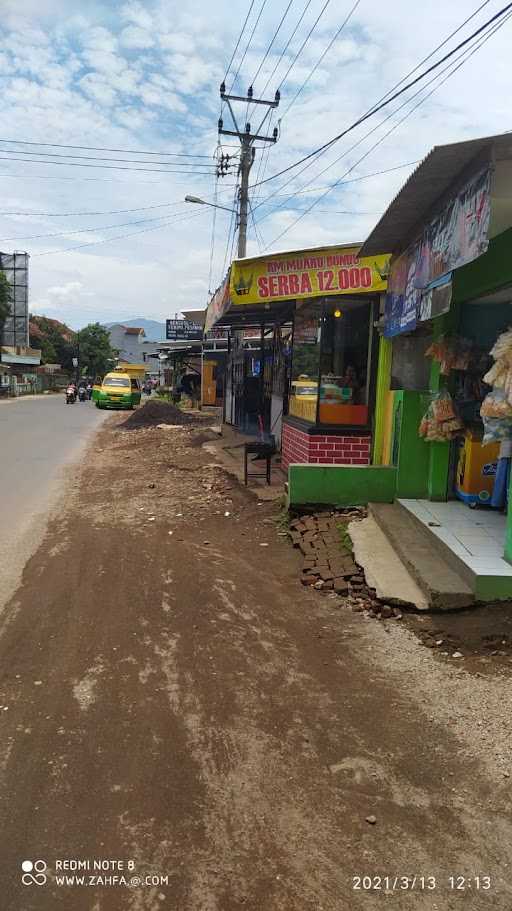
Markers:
{"x": 153, "y": 413}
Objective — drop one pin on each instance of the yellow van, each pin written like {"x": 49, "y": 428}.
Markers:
{"x": 117, "y": 390}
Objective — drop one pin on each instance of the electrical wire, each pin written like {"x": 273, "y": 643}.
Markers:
{"x": 269, "y": 48}
{"x": 117, "y": 237}
{"x": 212, "y": 240}
{"x": 74, "y": 164}
{"x": 324, "y": 54}
{"x": 161, "y": 205}
{"x": 388, "y": 117}
{"x": 287, "y": 45}
{"x": 232, "y": 228}
{"x": 140, "y": 221}
{"x": 57, "y": 145}
{"x": 436, "y": 49}
{"x": 303, "y": 45}
{"x": 239, "y": 40}
{"x": 453, "y": 69}
{"x": 181, "y": 164}
{"x": 257, "y": 234}
{"x": 235, "y": 77}
{"x": 372, "y": 111}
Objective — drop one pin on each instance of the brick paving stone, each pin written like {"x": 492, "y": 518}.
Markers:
{"x": 340, "y": 586}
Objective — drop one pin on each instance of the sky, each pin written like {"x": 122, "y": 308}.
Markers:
{"x": 141, "y": 77}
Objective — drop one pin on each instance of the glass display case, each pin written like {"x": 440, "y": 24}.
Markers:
{"x": 330, "y": 375}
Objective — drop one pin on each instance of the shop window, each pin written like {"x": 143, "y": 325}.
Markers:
{"x": 331, "y": 362}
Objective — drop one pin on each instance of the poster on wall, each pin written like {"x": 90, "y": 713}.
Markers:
{"x": 459, "y": 234}
{"x": 402, "y": 296}
{"x": 307, "y": 273}
{"x": 419, "y": 283}
{"x": 218, "y": 304}
{"x": 436, "y": 299}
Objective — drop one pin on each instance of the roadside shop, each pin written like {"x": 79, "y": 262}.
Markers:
{"x": 311, "y": 383}
{"x": 445, "y": 371}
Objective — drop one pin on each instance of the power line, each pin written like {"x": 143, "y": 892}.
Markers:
{"x": 436, "y": 49}
{"x": 264, "y": 3}
{"x": 232, "y": 228}
{"x": 57, "y": 145}
{"x": 324, "y": 54}
{"x": 73, "y": 164}
{"x": 125, "y": 224}
{"x": 388, "y": 117}
{"x": 305, "y": 189}
{"x": 303, "y": 45}
{"x": 182, "y": 164}
{"x": 370, "y": 113}
{"x": 162, "y": 205}
{"x": 453, "y": 70}
{"x": 269, "y": 48}
{"x": 111, "y": 239}
{"x": 287, "y": 45}
{"x": 239, "y": 40}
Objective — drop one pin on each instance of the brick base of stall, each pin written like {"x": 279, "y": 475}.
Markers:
{"x": 323, "y": 448}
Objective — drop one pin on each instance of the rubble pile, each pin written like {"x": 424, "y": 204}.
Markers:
{"x": 328, "y": 562}
{"x": 157, "y": 412}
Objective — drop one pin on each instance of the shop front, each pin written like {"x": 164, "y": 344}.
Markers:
{"x": 444, "y": 406}
{"x": 314, "y": 312}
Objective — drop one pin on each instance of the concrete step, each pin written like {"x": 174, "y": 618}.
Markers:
{"x": 442, "y": 584}
{"x": 383, "y": 568}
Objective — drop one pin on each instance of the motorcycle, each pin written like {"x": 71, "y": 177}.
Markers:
{"x": 82, "y": 394}
{"x": 70, "y": 396}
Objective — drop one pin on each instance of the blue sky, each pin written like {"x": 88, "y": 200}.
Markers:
{"x": 145, "y": 76}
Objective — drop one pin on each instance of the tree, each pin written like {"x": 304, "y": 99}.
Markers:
{"x": 5, "y": 302}
{"x": 96, "y": 354}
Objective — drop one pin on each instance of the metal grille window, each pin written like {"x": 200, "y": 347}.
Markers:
{"x": 15, "y": 267}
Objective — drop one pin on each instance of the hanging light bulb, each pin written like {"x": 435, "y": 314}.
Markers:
{"x": 337, "y": 313}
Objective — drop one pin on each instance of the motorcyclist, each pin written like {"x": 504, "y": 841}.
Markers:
{"x": 89, "y": 390}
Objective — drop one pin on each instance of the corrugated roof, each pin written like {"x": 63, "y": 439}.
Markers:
{"x": 428, "y": 183}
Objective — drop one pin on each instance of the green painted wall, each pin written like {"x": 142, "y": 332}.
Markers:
{"x": 341, "y": 485}
{"x": 487, "y": 273}
{"x": 413, "y": 452}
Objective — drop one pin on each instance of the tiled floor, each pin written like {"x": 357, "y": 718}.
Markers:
{"x": 476, "y": 536}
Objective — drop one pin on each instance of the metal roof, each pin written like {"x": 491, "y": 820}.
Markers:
{"x": 426, "y": 185}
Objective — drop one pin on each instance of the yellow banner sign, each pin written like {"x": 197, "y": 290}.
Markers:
{"x": 307, "y": 273}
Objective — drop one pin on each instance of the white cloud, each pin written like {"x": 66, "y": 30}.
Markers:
{"x": 135, "y": 12}
{"x": 134, "y": 37}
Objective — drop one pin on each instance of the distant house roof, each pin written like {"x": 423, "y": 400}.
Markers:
{"x": 426, "y": 185}
{"x": 133, "y": 330}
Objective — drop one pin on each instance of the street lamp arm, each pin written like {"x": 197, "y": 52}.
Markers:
{"x": 202, "y": 202}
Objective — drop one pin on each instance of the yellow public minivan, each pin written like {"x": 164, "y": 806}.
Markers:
{"x": 117, "y": 390}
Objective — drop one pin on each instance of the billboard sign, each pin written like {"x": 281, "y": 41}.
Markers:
{"x": 183, "y": 330}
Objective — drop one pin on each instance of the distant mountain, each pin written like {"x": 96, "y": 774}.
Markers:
{"x": 154, "y": 330}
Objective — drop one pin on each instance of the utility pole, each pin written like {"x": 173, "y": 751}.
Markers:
{"x": 248, "y": 152}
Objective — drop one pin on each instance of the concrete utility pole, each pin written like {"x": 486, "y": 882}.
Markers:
{"x": 248, "y": 153}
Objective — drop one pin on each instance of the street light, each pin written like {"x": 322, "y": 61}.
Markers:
{"x": 202, "y": 202}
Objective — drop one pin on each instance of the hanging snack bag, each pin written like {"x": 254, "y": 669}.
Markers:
{"x": 442, "y": 407}
{"x": 496, "y": 405}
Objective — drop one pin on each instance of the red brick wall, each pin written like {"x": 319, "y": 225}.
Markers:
{"x": 323, "y": 448}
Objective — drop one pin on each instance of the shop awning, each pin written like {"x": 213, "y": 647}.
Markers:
{"x": 427, "y": 186}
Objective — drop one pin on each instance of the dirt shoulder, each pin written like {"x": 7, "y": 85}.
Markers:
{"x": 175, "y": 698}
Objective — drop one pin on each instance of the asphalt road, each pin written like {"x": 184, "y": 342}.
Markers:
{"x": 39, "y": 437}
